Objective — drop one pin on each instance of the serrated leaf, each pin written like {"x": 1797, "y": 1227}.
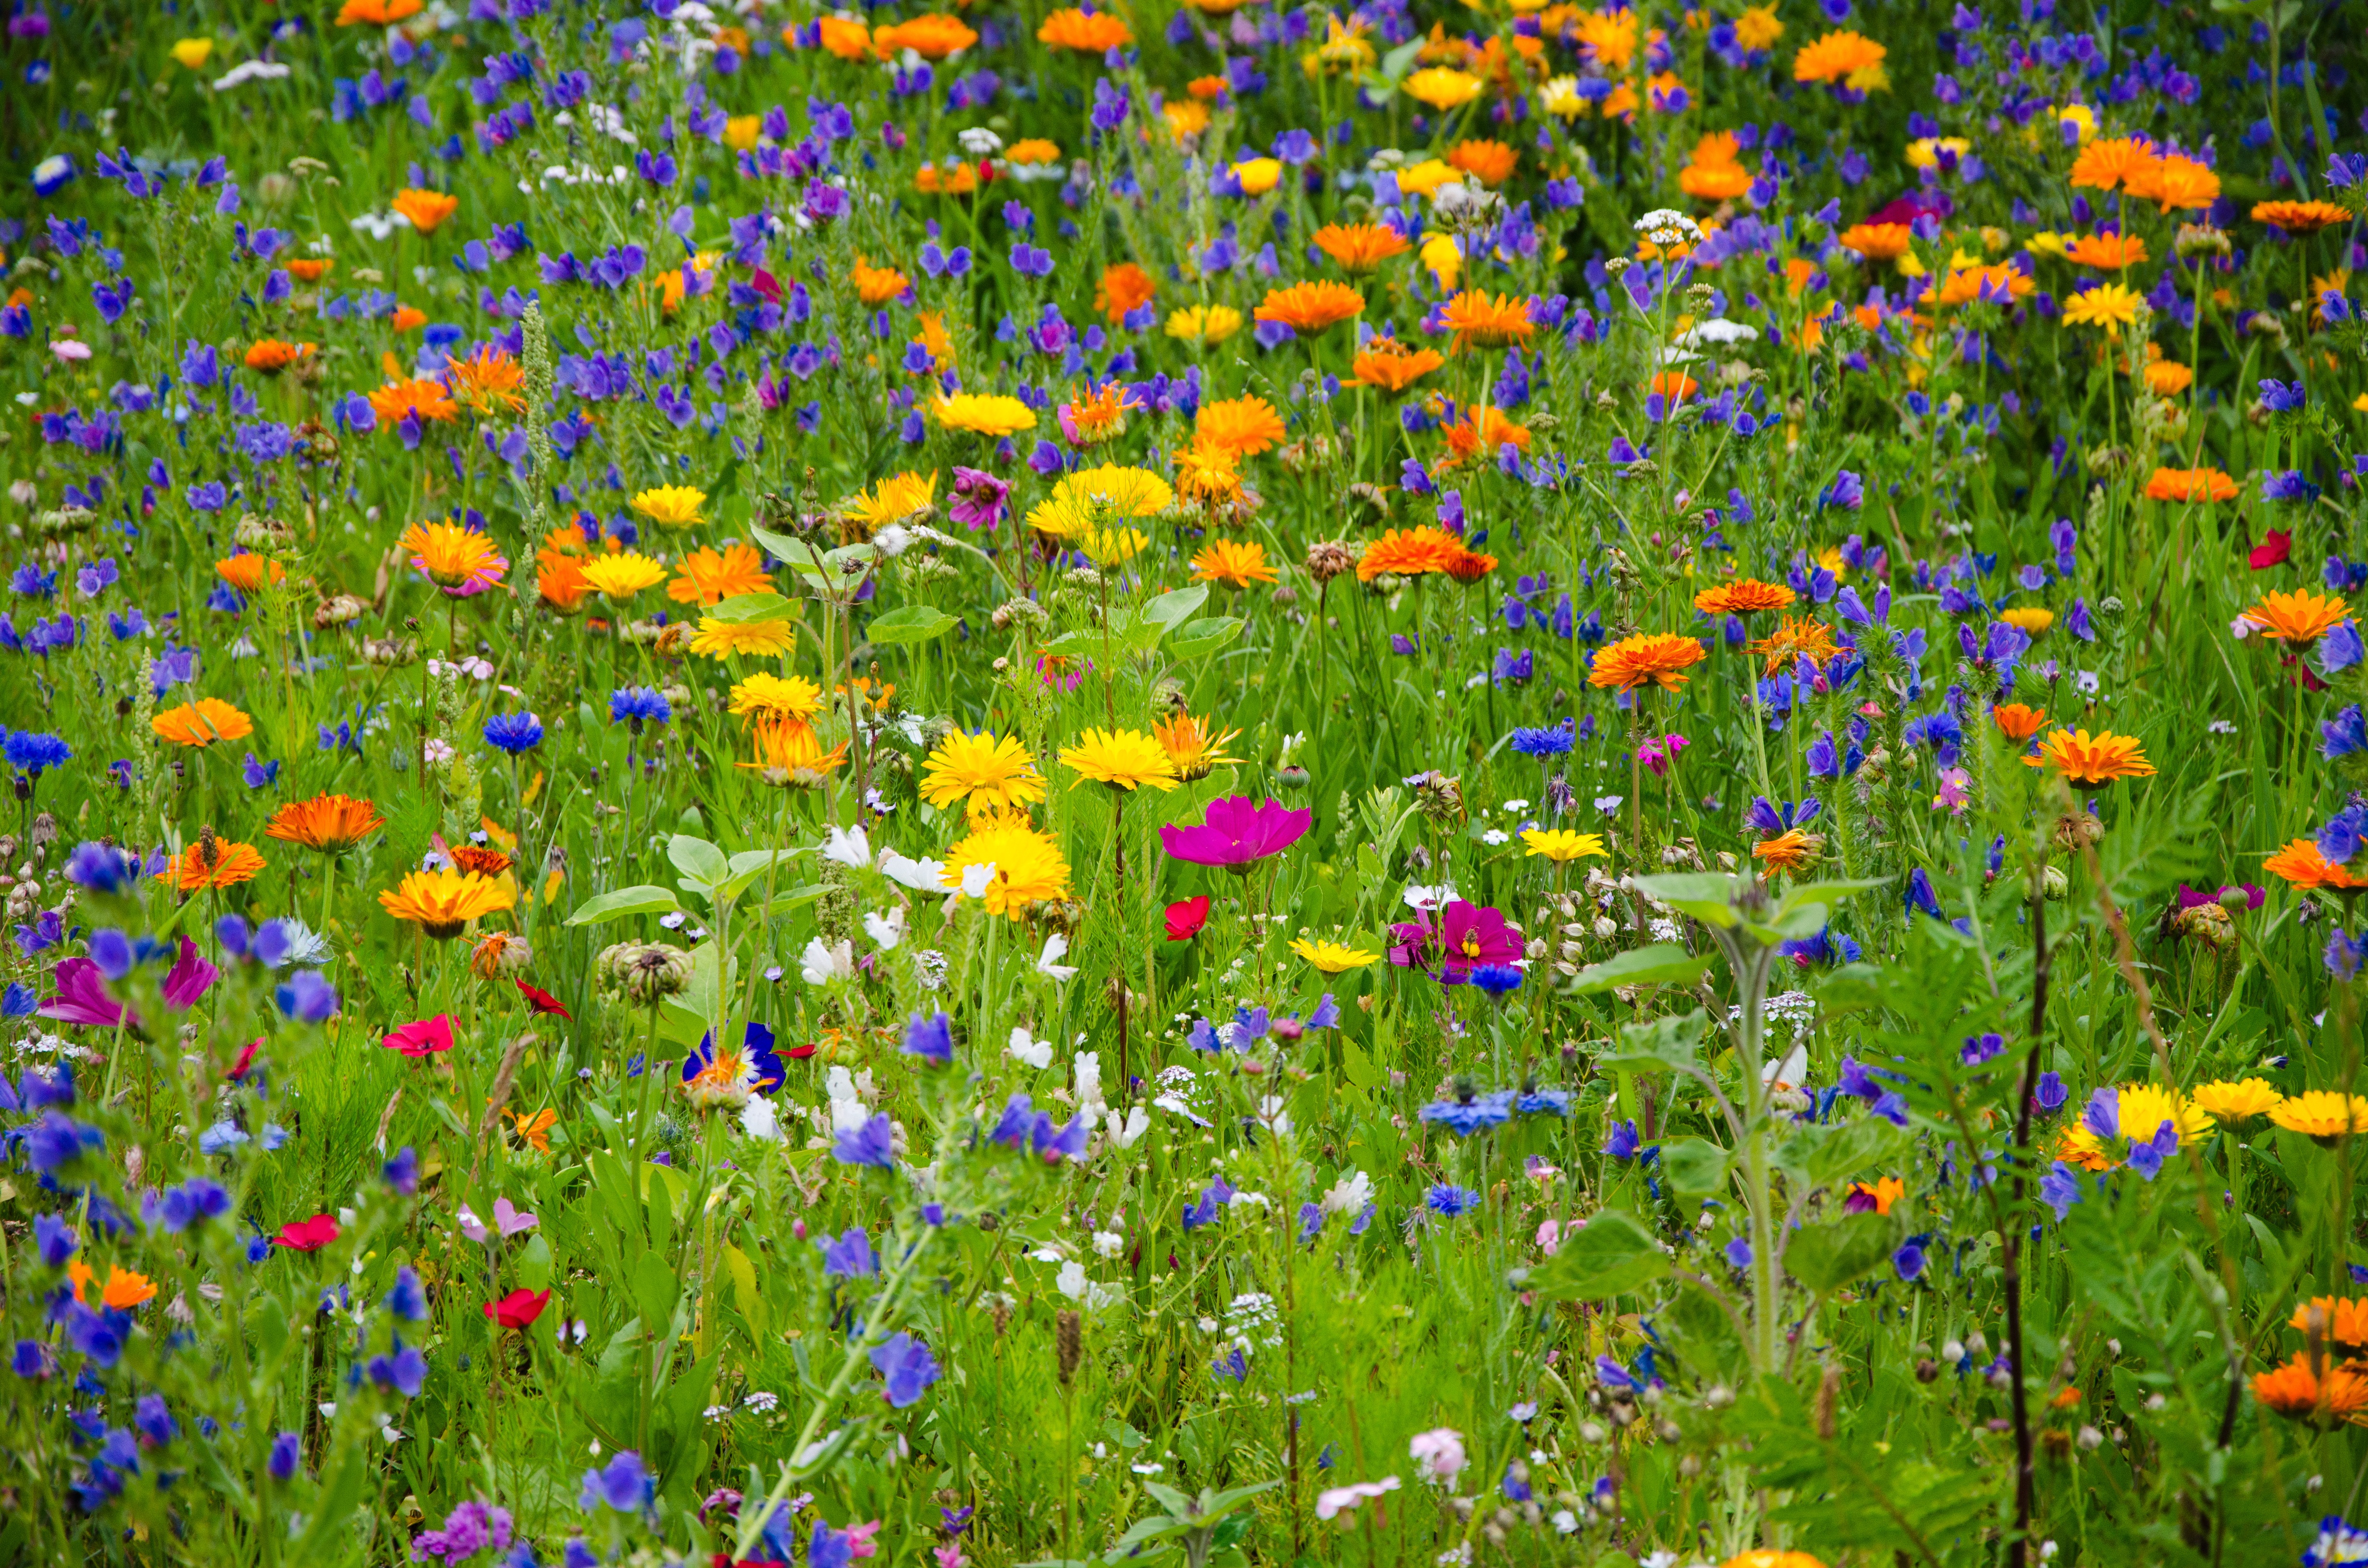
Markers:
{"x": 1822, "y": 1155}
{"x": 909, "y": 623}
{"x": 1611, "y": 1255}
{"x": 1694, "y": 1167}
{"x": 1664, "y": 963}
{"x": 610, "y": 906}
{"x": 1195, "y": 638}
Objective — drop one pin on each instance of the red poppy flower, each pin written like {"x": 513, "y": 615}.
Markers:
{"x": 537, "y": 1000}
{"x": 1186, "y": 917}
{"x": 799, "y": 1052}
{"x": 245, "y": 1060}
{"x": 518, "y": 1309}
{"x": 307, "y": 1236}
{"x": 2273, "y": 550}
{"x": 423, "y": 1038}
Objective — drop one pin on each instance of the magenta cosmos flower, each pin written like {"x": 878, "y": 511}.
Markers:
{"x": 1236, "y": 835}
{"x": 1467, "y": 937}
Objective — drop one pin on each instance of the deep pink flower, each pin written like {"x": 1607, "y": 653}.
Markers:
{"x": 423, "y": 1038}
{"x": 1185, "y": 916}
{"x": 1468, "y": 937}
{"x": 82, "y": 996}
{"x": 1236, "y": 835}
{"x": 191, "y": 977}
{"x": 2190, "y": 898}
{"x": 1657, "y": 755}
{"x": 978, "y": 498}
{"x": 307, "y": 1236}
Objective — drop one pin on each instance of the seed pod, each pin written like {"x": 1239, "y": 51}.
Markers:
{"x": 1068, "y": 1341}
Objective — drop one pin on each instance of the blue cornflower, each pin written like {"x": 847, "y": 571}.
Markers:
{"x": 29, "y": 752}
{"x": 930, "y": 1037}
{"x": 639, "y": 704}
{"x": 1446, "y": 1201}
{"x": 514, "y": 733}
{"x": 1550, "y": 740}
{"x": 624, "y": 1484}
{"x": 1470, "y": 1113}
{"x": 1497, "y": 978}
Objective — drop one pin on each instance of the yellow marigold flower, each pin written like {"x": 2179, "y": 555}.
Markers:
{"x": 776, "y": 698}
{"x": 676, "y": 506}
{"x": 710, "y": 576}
{"x": 1425, "y": 177}
{"x": 623, "y": 574}
{"x": 721, "y": 639}
{"x": 1033, "y": 152}
{"x": 2107, "y": 305}
{"x": 450, "y": 555}
{"x": 2297, "y": 618}
{"x": 1443, "y": 89}
{"x": 2322, "y": 1116}
{"x": 1237, "y": 564}
{"x": 1757, "y": 29}
{"x": 1029, "y": 865}
{"x": 987, "y": 771}
{"x": 1112, "y": 491}
{"x": 1194, "y": 748}
{"x": 1332, "y": 957}
{"x": 1560, "y": 845}
{"x": 202, "y": 722}
{"x": 2091, "y": 763}
{"x": 2139, "y": 1112}
{"x": 740, "y": 131}
{"x": 441, "y": 903}
{"x": 1205, "y": 323}
{"x": 2233, "y": 1105}
{"x": 1112, "y": 547}
{"x": 2032, "y": 619}
{"x": 192, "y": 53}
{"x": 994, "y": 417}
{"x": 1123, "y": 759}
{"x": 1647, "y": 658}
{"x": 1257, "y": 175}
{"x": 892, "y": 500}
{"x": 788, "y": 752}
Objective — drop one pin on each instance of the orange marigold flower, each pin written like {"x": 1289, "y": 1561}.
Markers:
{"x": 248, "y": 572}
{"x": 2191, "y": 484}
{"x": 1651, "y": 657}
{"x": 846, "y": 40}
{"x": 931, "y": 38}
{"x": 271, "y": 355}
{"x": 1491, "y": 163}
{"x": 2108, "y": 252}
{"x": 2102, "y": 164}
{"x": 2344, "y": 1321}
{"x": 1608, "y": 36}
{"x": 1311, "y": 307}
{"x": 2299, "y": 217}
{"x": 1795, "y": 637}
{"x": 309, "y": 268}
{"x": 1482, "y": 433}
{"x": 2018, "y": 723}
{"x": 376, "y": 13}
{"x": 1715, "y": 182}
{"x": 560, "y": 583}
{"x": 1124, "y": 287}
{"x": 1746, "y": 595}
{"x": 877, "y": 284}
{"x": 1788, "y": 851}
{"x": 1208, "y": 474}
{"x": 1387, "y": 364}
{"x": 1097, "y": 33}
{"x": 331, "y": 824}
{"x": 479, "y": 860}
{"x": 1360, "y": 247}
{"x": 1209, "y": 89}
{"x": 1877, "y": 242}
{"x": 1102, "y": 413}
{"x": 1673, "y": 384}
{"x": 426, "y": 208}
{"x": 407, "y": 318}
{"x": 2298, "y": 616}
{"x": 1244, "y": 427}
{"x": 1410, "y": 552}
{"x": 1837, "y": 57}
{"x": 422, "y": 395}
{"x": 2327, "y": 1398}
{"x": 1496, "y": 322}
{"x": 488, "y": 381}
{"x": 1882, "y": 1194}
{"x": 1964, "y": 284}
{"x": 212, "y": 862}
{"x": 1469, "y": 565}
{"x": 2169, "y": 378}
{"x": 2091, "y": 762}
{"x": 1236, "y": 564}
{"x": 453, "y": 556}
{"x": 202, "y": 722}
{"x": 710, "y": 576}
{"x": 2178, "y": 185}
{"x": 2303, "y": 865}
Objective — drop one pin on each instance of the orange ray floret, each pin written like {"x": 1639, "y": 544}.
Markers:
{"x": 2299, "y": 217}
{"x": 1652, "y": 658}
{"x": 2176, "y": 185}
{"x": 1360, "y": 247}
{"x": 2303, "y": 865}
{"x": 326, "y": 822}
{"x": 1492, "y": 163}
{"x": 2298, "y": 616}
{"x": 1483, "y": 432}
{"x": 2105, "y": 164}
{"x": 1124, "y": 287}
{"x": 488, "y": 381}
{"x": 212, "y": 862}
{"x": 1475, "y": 317}
{"x": 1746, "y": 595}
{"x": 248, "y": 572}
{"x": 876, "y": 285}
{"x": 1096, "y": 32}
{"x": 2191, "y": 484}
{"x": 711, "y": 576}
{"x": 1795, "y": 637}
{"x": 2343, "y": 1321}
{"x": 1311, "y": 307}
{"x": 1387, "y": 364}
{"x": 1877, "y": 242}
{"x": 2091, "y": 762}
{"x": 2018, "y": 723}
{"x": 441, "y": 903}
{"x": 1236, "y": 564}
{"x": 1410, "y": 552}
{"x": 422, "y": 395}
{"x": 2106, "y": 252}
{"x": 1243, "y": 427}
{"x": 426, "y": 208}
{"x": 930, "y": 37}
{"x": 1839, "y": 57}
{"x": 271, "y": 355}
{"x": 202, "y": 722}
{"x": 2328, "y": 1397}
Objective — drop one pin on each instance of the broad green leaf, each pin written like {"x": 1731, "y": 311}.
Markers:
{"x": 742, "y": 608}
{"x": 1694, "y": 1167}
{"x": 1611, "y": 1255}
{"x": 1662, "y": 963}
{"x": 608, "y": 906}
{"x": 1708, "y": 897}
{"x": 910, "y": 623}
{"x": 1826, "y": 1258}
{"x": 1823, "y": 894}
{"x": 1196, "y": 638}
{"x": 1171, "y": 609}
{"x": 1659, "y": 1045}
{"x": 1398, "y": 61}
{"x": 702, "y": 865}
{"x": 785, "y": 549}
{"x": 1822, "y": 1156}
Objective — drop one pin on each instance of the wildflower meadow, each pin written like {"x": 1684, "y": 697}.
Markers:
{"x": 1204, "y": 781}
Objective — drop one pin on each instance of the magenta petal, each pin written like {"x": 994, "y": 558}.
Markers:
{"x": 1235, "y": 833}
{"x": 82, "y": 996}
{"x": 191, "y": 978}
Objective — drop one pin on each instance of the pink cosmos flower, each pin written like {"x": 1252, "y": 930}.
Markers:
{"x": 1236, "y": 835}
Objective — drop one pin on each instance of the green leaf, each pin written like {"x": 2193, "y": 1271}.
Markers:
{"x": 1196, "y": 638}
{"x": 1659, "y": 1045}
{"x": 1826, "y": 893}
{"x": 341, "y": 1493}
{"x": 654, "y": 1291}
{"x": 1821, "y": 1156}
{"x": 1664, "y": 963}
{"x": 910, "y": 623}
{"x": 742, "y": 608}
{"x": 1708, "y": 897}
{"x": 1826, "y": 1258}
{"x": 702, "y": 865}
{"x": 1358, "y": 1067}
{"x": 1171, "y": 609}
{"x": 608, "y": 906}
{"x": 1398, "y": 61}
{"x": 1694, "y": 1167}
{"x": 1613, "y": 1255}
{"x": 783, "y": 547}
